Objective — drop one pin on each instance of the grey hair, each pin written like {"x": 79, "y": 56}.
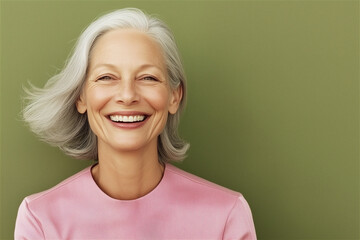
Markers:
{"x": 51, "y": 111}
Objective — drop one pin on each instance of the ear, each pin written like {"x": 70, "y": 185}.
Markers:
{"x": 81, "y": 105}
{"x": 175, "y": 99}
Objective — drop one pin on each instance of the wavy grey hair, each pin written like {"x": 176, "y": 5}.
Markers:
{"x": 51, "y": 111}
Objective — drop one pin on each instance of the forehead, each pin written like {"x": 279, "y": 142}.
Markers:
{"x": 128, "y": 46}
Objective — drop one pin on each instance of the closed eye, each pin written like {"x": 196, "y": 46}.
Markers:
{"x": 150, "y": 78}
{"x": 106, "y": 77}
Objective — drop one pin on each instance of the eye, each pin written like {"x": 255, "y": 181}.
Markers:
{"x": 149, "y": 78}
{"x": 106, "y": 77}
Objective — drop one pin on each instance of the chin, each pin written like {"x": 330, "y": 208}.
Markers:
{"x": 130, "y": 145}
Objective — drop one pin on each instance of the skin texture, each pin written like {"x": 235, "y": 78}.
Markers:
{"x": 127, "y": 73}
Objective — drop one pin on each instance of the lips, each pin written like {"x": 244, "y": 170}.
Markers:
{"x": 128, "y": 119}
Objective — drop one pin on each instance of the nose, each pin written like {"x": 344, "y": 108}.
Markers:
{"x": 126, "y": 92}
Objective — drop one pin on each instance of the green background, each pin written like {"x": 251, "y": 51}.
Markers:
{"x": 273, "y": 105}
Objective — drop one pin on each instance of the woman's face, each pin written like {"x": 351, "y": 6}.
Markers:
{"x": 127, "y": 96}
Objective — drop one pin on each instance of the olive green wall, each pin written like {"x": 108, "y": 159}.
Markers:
{"x": 273, "y": 108}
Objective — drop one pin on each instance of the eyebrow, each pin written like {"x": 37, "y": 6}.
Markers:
{"x": 112, "y": 66}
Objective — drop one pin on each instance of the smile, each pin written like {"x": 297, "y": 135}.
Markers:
{"x": 129, "y": 119}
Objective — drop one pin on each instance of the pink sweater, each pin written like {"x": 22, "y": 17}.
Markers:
{"x": 182, "y": 206}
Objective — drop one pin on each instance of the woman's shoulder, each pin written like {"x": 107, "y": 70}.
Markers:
{"x": 64, "y": 188}
{"x": 186, "y": 182}
{"x": 210, "y": 201}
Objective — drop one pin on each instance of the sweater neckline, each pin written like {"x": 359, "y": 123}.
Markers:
{"x": 150, "y": 194}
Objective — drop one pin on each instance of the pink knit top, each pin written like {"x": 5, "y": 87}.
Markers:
{"x": 182, "y": 206}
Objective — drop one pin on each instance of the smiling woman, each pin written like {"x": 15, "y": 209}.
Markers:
{"x": 122, "y": 89}
{"x": 119, "y": 97}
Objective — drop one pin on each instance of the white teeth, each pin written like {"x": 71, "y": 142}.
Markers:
{"x": 119, "y": 118}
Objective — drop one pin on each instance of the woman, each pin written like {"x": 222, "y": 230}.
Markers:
{"x": 118, "y": 101}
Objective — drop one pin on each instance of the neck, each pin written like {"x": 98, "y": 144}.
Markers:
{"x": 127, "y": 175}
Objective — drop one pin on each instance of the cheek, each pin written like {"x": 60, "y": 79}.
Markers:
{"x": 158, "y": 98}
{"x": 97, "y": 97}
